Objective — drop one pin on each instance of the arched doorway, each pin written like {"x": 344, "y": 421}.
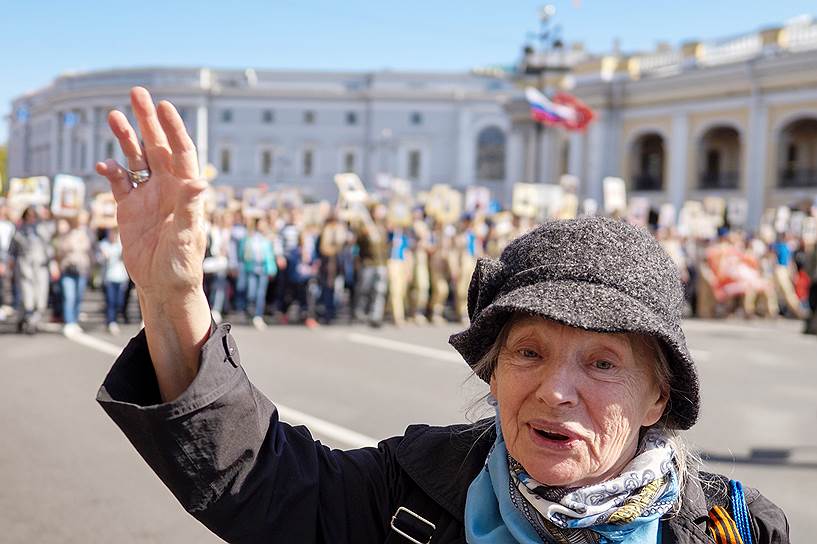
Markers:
{"x": 647, "y": 163}
{"x": 719, "y": 155}
{"x": 797, "y": 155}
{"x": 491, "y": 154}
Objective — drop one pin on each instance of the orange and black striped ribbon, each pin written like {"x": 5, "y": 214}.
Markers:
{"x": 722, "y": 527}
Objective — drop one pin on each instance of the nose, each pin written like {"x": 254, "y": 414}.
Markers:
{"x": 558, "y": 385}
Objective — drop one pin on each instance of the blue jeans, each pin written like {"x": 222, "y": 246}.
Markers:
{"x": 257, "y": 291}
{"x": 240, "y": 297}
{"x": 217, "y": 290}
{"x": 73, "y": 289}
{"x": 114, "y": 299}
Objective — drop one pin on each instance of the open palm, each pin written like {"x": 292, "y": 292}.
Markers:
{"x": 161, "y": 220}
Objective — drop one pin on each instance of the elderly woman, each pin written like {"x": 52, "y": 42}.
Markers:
{"x": 576, "y": 328}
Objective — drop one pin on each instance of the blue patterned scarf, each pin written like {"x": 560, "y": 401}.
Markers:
{"x": 505, "y": 505}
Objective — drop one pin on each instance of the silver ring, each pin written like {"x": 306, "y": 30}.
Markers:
{"x": 138, "y": 177}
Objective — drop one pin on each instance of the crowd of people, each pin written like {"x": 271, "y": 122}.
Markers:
{"x": 282, "y": 266}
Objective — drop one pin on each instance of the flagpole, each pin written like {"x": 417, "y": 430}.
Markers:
{"x": 549, "y": 40}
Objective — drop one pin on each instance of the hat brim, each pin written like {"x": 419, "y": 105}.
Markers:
{"x": 593, "y": 307}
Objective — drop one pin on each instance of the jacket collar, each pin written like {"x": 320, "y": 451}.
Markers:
{"x": 443, "y": 461}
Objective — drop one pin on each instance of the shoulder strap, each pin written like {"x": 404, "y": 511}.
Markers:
{"x": 410, "y": 526}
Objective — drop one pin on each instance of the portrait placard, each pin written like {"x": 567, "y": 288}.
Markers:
{"x": 223, "y": 196}
{"x": 400, "y": 187}
{"x": 639, "y": 211}
{"x": 615, "y": 196}
{"x": 444, "y": 204}
{"x": 477, "y": 199}
{"x": 737, "y": 212}
{"x": 569, "y": 183}
{"x": 251, "y": 202}
{"x": 69, "y": 196}
{"x": 781, "y": 219}
{"x": 315, "y": 214}
{"x": 103, "y": 211}
{"x": 525, "y": 200}
{"x": 570, "y": 206}
{"x": 399, "y": 214}
{"x": 796, "y": 222}
{"x": 590, "y": 206}
{"x": 210, "y": 172}
{"x": 551, "y": 196}
{"x": 810, "y": 230}
{"x": 350, "y": 188}
{"x": 666, "y": 216}
{"x": 24, "y": 192}
{"x": 503, "y": 223}
{"x": 715, "y": 207}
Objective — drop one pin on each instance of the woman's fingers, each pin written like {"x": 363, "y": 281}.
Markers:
{"x": 128, "y": 140}
{"x": 185, "y": 160}
{"x": 117, "y": 177}
{"x": 153, "y": 136}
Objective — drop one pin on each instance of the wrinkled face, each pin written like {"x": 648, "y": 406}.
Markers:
{"x": 572, "y": 402}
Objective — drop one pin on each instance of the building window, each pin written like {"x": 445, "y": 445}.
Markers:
{"x": 416, "y": 118}
{"x": 309, "y": 117}
{"x": 349, "y": 161}
{"x": 266, "y": 162}
{"x": 648, "y": 163}
{"x": 268, "y": 116}
{"x": 491, "y": 154}
{"x": 308, "y": 162}
{"x": 351, "y": 118}
{"x": 109, "y": 150}
{"x": 226, "y": 116}
{"x": 797, "y": 159}
{"x": 414, "y": 164}
{"x": 224, "y": 161}
{"x": 719, "y": 159}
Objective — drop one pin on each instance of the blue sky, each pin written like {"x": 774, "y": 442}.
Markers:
{"x": 45, "y": 38}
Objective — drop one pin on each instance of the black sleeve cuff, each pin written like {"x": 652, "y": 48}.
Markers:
{"x": 132, "y": 379}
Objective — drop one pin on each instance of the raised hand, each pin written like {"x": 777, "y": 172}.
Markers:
{"x": 160, "y": 221}
{"x": 163, "y": 237}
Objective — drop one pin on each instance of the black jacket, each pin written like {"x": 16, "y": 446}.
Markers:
{"x": 249, "y": 477}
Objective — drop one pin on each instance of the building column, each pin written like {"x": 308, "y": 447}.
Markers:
{"x": 575, "y": 159}
{"x": 550, "y": 156}
{"x": 202, "y": 140}
{"x": 515, "y": 163}
{"x": 67, "y": 134}
{"x": 466, "y": 171}
{"x": 90, "y": 148}
{"x": 678, "y": 159}
{"x": 755, "y": 162}
{"x": 56, "y": 144}
{"x": 592, "y": 186}
{"x": 530, "y": 153}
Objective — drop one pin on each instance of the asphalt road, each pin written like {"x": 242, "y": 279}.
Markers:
{"x": 70, "y": 476}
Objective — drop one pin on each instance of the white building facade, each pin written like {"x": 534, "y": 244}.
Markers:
{"x": 733, "y": 118}
{"x": 281, "y": 128}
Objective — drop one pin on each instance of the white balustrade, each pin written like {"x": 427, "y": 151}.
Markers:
{"x": 732, "y": 50}
{"x": 801, "y": 37}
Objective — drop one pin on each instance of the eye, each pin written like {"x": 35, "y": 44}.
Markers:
{"x": 601, "y": 364}
{"x": 528, "y": 353}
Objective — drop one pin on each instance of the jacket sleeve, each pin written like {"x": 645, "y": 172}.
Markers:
{"x": 223, "y": 452}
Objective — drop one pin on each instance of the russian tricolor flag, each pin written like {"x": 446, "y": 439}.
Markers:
{"x": 565, "y": 110}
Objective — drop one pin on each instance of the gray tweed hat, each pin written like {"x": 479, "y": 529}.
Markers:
{"x": 593, "y": 273}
